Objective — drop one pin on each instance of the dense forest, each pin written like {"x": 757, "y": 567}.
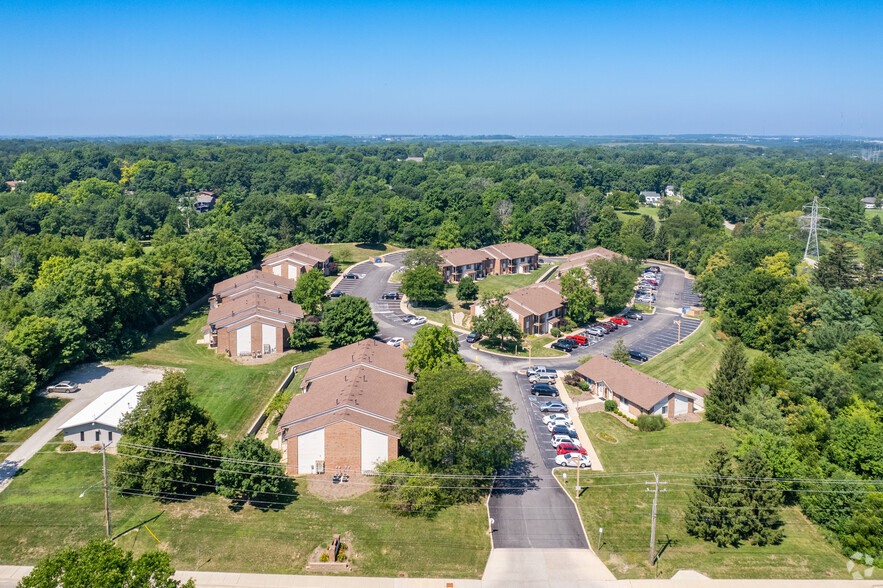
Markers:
{"x": 100, "y": 243}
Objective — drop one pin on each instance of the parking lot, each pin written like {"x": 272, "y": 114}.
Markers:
{"x": 538, "y": 430}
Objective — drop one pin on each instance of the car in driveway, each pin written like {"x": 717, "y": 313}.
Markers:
{"x": 558, "y": 440}
{"x": 572, "y": 460}
{"x": 336, "y": 294}
{"x": 417, "y": 320}
{"x": 543, "y": 390}
{"x": 391, "y": 296}
{"x": 553, "y": 406}
{"x": 618, "y": 320}
{"x": 407, "y": 318}
{"x": 542, "y": 378}
{"x": 66, "y": 387}
{"x": 396, "y": 341}
{"x": 634, "y": 315}
{"x": 559, "y": 418}
{"x": 473, "y": 337}
{"x": 570, "y": 448}
{"x": 638, "y": 356}
{"x": 564, "y": 345}
{"x": 563, "y": 430}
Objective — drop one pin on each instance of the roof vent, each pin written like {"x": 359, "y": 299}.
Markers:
{"x": 364, "y": 377}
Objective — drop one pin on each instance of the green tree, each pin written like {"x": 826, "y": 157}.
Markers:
{"x": 39, "y": 339}
{"x": 834, "y": 269}
{"x": 422, "y": 256}
{"x": 301, "y": 333}
{"x": 615, "y": 279}
{"x": 448, "y": 235}
{"x": 758, "y": 519}
{"x": 310, "y": 291}
{"x": 250, "y": 472}
{"x": 495, "y": 320}
{"x": 730, "y": 386}
{"x": 158, "y": 433}
{"x": 857, "y": 439}
{"x": 101, "y": 563}
{"x": 16, "y": 383}
{"x": 423, "y": 284}
{"x": 347, "y": 320}
{"x": 467, "y": 289}
{"x": 712, "y": 509}
{"x": 458, "y": 422}
{"x": 580, "y": 295}
{"x": 620, "y": 352}
{"x": 408, "y": 487}
{"x": 433, "y": 348}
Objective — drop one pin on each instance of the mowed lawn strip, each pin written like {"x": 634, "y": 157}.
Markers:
{"x": 621, "y": 505}
{"x": 41, "y": 512}
{"x": 233, "y": 394}
{"x": 39, "y": 411}
{"x": 347, "y": 254}
{"x": 536, "y": 343}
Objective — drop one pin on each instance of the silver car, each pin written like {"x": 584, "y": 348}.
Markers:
{"x": 546, "y": 378}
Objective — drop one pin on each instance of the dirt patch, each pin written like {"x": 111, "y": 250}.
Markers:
{"x": 324, "y": 486}
{"x": 618, "y": 563}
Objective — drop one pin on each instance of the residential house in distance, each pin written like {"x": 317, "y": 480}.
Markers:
{"x": 13, "y": 184}
{"x": 869, "y": 202}
{"x": 251, "y": 282}
{"x": 635, "y": 392}
{"x": 254, "y": 323}
{"x": 204, "y": 201}
{"x": 295, "y": 261}
{"x": 417, "y": 159}
{"x": 343, "y": 419}
{"x": 536, "y": 308}
{"x": 652, "y": 198}
{"x": 581, "y": 258}
{"x": 459, "y": 262}
{"x": 512, "y": 258}
{"x": 99, "y": 421}
{"x": 671, "y": 192}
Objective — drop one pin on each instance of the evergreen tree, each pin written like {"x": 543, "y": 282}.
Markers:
{"x": 620, "y": 352}
{"x": 467, "y": 289}
{"x": 758, "y": 519}
{"x": 730, "y": 387}
{"x": 834, "y": 269}
{"x": 712, "y": 511}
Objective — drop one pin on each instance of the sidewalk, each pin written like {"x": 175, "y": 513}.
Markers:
{"x": 578, "y": 425}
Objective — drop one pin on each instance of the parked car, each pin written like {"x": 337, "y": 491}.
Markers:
{"x": 418, "y": 320}
{"x": 645, "y": 299}
{"x": 473, "y": 337}
{"x": 542, "y": 379}
{"x": 579, "y": 340}
{"x": 395, "y": 341}
{"x": 652, "y": 281}
{"x": 557, "y": 417}
{"x": 618, "y": 320}
{"x": 558, "y": 440}
{"x": 66, "y": 386}
{"x": 564, "y": 345}
{"x": 351, "y": 276}
{"x": 570, "y": 448}
{"x": 553, "y": 406}
{"x": 609, "y": 326}
{"x": 560, "y": 423}
{"x": 539, "y": 389}
{"x": 539, "y": 369}
{"x": 596, "y": 331}
{"x": 638, "y": 356}
{"x": 655, "y": 269}
{"x": 647, "y": 286}
{"x": 392, "y": 296}
{"x": 563, "y": 430}
{"x": 573, "y": 460}
{"x": 408, "y": 318}
{"x": 336, "y": 294}
{"x": 634, "y": 315}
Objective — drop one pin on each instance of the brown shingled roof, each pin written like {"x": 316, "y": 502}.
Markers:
{"x": 276, "y": 309}
{"x": 251, "y": 279}
{"x": 636, "y": 387}
{"x": 461, "y": 256}
{"x": 305, "y": 253}
{"x": 368, "y": 352}
{"x": 538, "y": 299}
{"x": 583, "y": 257}
{"x": 509, "y": 250}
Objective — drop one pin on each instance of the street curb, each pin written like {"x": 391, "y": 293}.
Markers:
{"x": 578, "y": 513}
{"x": 573, "y": 413}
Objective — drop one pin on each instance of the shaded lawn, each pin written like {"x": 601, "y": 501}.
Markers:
{"x": 651, "y": 211}
{"x": 39, "y": 411}
{"x": 233, "y": 394}
{"x": 42, "y": 512}
{"x": 621, "y": 505}
{"x": 507, "y": 283}
{"x": 347, "y": 254}
{"x": 535, "y": 343}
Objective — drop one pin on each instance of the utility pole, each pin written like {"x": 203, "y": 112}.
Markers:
{"x": 106, "y": 491}
{"x": 812, "y": 239}
{"x": 653, "y": 519}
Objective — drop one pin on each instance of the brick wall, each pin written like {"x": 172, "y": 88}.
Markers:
{"x": 671, "y": 406}
{"x": 292, "y": 456}
{"x": 635, "y": 410}
{"x": 343, "y": 446}
{"x": 393, "y": 448}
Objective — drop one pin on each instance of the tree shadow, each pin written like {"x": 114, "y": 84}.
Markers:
{"x": 371, "y": 246}
{"x": 284, "y": 495}
{"x": 524, "y": 480}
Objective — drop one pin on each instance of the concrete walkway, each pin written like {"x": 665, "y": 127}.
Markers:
{"x": 578, "y": 425}
{"x": 544, "y": 567}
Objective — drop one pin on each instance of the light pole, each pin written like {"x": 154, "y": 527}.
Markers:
{"x": 678, "y": 323}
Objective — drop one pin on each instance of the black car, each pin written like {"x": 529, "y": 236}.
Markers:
{"x": 564, "y": 345}
{"x": 638, "y": 356}
{"x": 655, "y": 269}
{"x": 335, "y": 294}
{"x": 473, "y": 337}
{"x": 564, "y": 430}
{"x": 408, "y": 318}
{"x": 391, "y": 296}
{"x": 543, "y": 390}
{"x": 351, "y": 276}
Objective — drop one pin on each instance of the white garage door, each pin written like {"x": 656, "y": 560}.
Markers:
{"x": 277, "y": 270}
{"x": 243, "y": 340}
{"x": 310, "y": 447}
{"x": 292, "y": 272}
{"x": 268, "y": 337}
{"x": 375, "y": 448}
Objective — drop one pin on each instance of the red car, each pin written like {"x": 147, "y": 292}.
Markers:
{"x": 570, "y": 448}
{"x": 619, "y": 320}
{"x": 579, "y": 339}
{"x": 651, "y": 281}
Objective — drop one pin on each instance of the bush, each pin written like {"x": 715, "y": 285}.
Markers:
{"x": 324, "y": 557}
{"x": 583, "y": 385}
{"x": 332, "y": 268}
{"x": 610, "y": 406}
{"x": 650, "y": 422}
{"x": 67, "y": 446}
{"x": 556, "y": 332}
{"x": 571, "y": 379}
{"x": 341, "y": 556}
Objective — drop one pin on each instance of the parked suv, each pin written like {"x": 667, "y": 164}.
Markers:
{"x": 473, "y": 337}
{"x": 564, "y": 345}
{"x": 392, "y": 296}
{"x": 542, "y": 379}
{"x": 578, "y": 339}
{"x": 539, "y": 389}
{"x": 596, "y": 331}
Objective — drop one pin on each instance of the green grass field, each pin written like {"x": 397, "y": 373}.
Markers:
{"x": 651, "y": 211}
{"x": 41, "y": 410}
{"x": 347, "y": 254}
{"x": 620, "y": 504}
{"x": 41, "y": 512}
{"x": 233, "y": 394}
{"x": 535, "y": 343}
{"x": 692, "y": 363}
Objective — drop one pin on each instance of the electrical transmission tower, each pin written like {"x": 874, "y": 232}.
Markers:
{"x": 812, "y": 239}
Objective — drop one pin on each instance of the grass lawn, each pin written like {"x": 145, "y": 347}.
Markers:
{"x": 41, "y": 512}
{"x": 347, "y": 254}
{"x": 509, "y": 282}
{"x": 41, "y": 410}
{"x": 692, "y": 363}
{"x": 869, "y": 212}
{"x": 622, "y": 506}
{"x": 233, "y": 394}
{"x": 535, "y": 342}
{"x": 651, "y": 211}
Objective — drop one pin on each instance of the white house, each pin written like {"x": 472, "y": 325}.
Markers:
{"x": 652, "y": 198}
{"x": 99, "y": 421}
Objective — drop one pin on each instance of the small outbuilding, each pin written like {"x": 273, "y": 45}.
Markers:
{"x": 99, "y": 421}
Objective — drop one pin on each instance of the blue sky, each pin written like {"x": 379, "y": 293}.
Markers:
{"x": 563, "y": 68}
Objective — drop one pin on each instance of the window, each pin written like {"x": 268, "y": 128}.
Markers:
{"x": 82, "y": 435}
{"x": 98, "y": 435}
{"x": 665, "y": 410}
{"x": 110, "y": 435}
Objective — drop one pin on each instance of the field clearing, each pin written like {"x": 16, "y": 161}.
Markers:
{"x": 38, "y": 413}
{"x": 651, "y": 211}
{"x": 347, "y": 254}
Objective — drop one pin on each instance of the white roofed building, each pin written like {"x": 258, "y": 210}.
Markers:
{"x": 99, "y": 421}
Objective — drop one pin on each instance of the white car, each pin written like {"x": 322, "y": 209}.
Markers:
{"x": 558, "y": 419}
{"x": 571, "y": 460}
{"x": 544, "y": 378}
{"x": 418, "y": 320}
{"x": 537, "y": 369}
{"x": 559, "y": 439}
{"x": 395, "y": 341}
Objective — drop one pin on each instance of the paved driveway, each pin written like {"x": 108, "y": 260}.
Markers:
{"x": 94, "y": 379}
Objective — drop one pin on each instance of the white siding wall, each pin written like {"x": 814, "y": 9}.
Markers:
{"x": 310, "y": 447}
{"x": 268, "y": 337}
{"x": 375, "y": 448}
{"x": 88, "y": 434}
{"x": 243, "y": 340}
{"x": 623, "y": 405}
{"x": 277, "y": 270}
{"x": 680, "y": 404}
